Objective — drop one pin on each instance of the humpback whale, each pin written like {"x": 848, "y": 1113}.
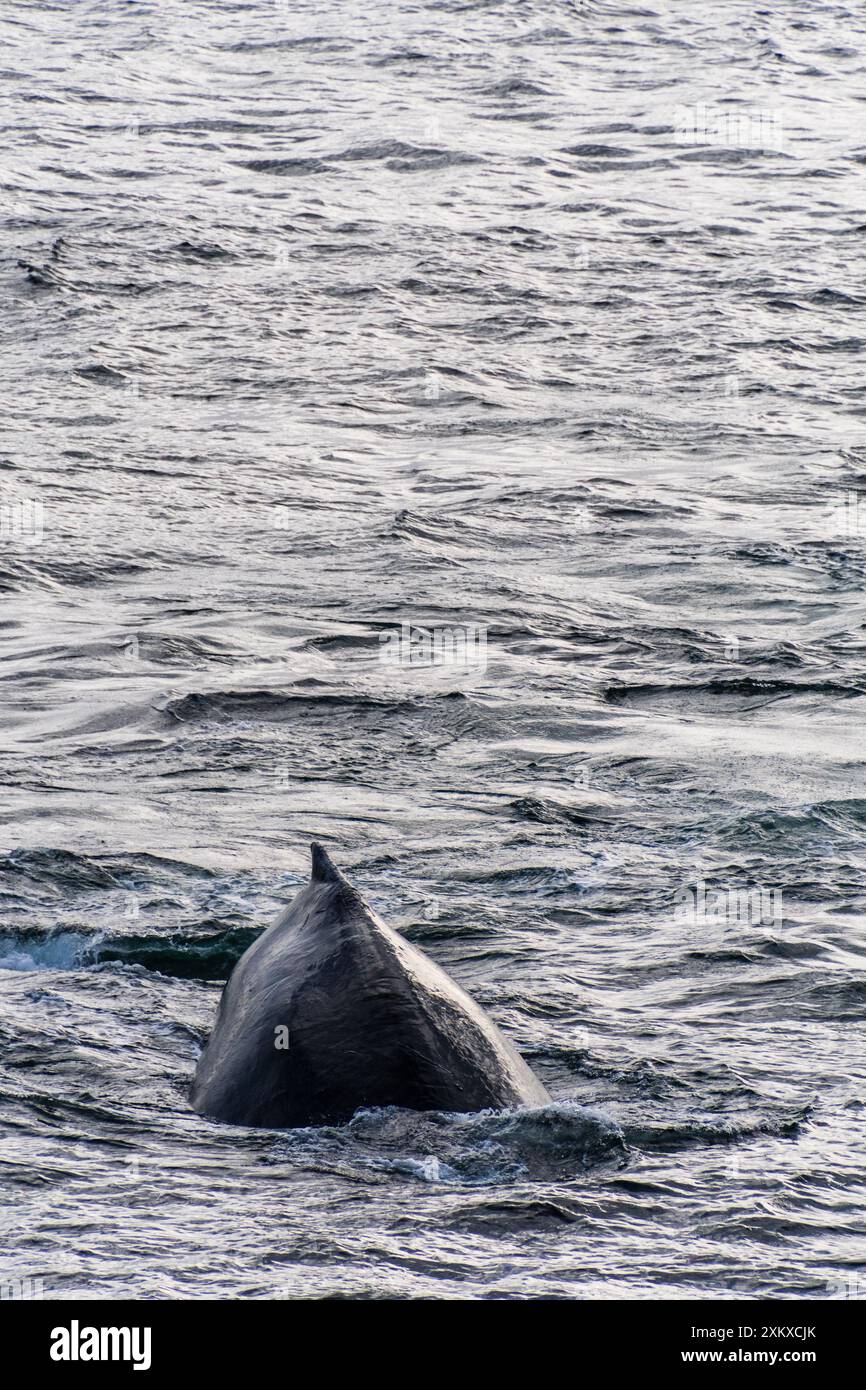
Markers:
{"x": 330, "y": 1011}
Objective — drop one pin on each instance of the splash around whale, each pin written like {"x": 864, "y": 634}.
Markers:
{"x": 330, "y": 1011}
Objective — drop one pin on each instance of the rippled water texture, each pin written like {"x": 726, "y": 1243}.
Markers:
{"x": 324, "y": 318}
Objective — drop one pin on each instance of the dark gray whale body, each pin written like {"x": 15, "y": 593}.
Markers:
{"x": 330, "y": 1011}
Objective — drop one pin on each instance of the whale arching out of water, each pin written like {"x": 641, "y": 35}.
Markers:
{"x": 330, "y": 1010}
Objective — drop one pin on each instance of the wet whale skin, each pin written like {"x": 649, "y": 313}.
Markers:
{"x": 330, "y": 1011}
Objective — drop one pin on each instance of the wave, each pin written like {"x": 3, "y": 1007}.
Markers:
{"x": 560, "y": 1140}
{"x": 59, "y": 868}
{"x": 747, "y": 691}
{"x": 275, "y": 704}
{"x": 182, "y": 956}
{"x": 514, "y": 86}
{"x": 699, "y": 1133}
{"x": 543, "y": 811}
{"x": 285, "y": 167}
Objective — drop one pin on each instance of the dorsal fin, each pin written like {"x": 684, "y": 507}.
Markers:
{"x": 323, "y": 870}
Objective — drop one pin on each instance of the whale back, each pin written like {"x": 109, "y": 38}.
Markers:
{"x": 330, "y": 1011}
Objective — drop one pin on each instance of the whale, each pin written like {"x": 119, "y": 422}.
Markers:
{"x": 330, "y": 1011}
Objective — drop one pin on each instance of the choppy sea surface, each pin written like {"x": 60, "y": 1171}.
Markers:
{"x": 547, "y": 318}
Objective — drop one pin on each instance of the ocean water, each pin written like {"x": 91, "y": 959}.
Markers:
{"x": 539, "y": 321}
